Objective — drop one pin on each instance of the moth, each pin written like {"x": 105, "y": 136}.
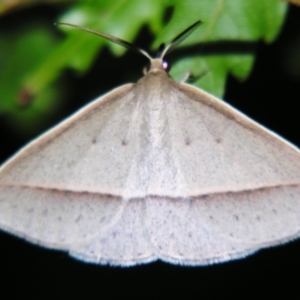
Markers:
{"x": 154, "y": 170}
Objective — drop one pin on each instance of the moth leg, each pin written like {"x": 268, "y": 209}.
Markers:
{"x": 189, "y": 77}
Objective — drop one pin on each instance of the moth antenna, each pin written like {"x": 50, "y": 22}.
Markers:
{"x": 180, "y": 38}
{"x": 110, "y": 38}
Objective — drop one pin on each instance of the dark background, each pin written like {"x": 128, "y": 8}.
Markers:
{"x": 270, "y": 96}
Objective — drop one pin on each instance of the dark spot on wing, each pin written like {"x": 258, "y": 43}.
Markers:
{"x": 187, "y": 141}
{"x": 78, "y": 218}
{"x": 218, "y": 140}
{"x": 124, "y": 142}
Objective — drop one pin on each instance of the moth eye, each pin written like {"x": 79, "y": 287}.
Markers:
{"x": 165, "y": 65}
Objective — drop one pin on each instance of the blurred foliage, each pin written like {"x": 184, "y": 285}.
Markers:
{"x": 10, "y": 5}
{"x": 296, "y": 2}
{"x": 223, "y": 44}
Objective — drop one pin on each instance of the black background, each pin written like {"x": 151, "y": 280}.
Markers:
{"x": 270, "y": 96}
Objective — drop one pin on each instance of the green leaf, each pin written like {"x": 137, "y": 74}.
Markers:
{"x": 79, "y": 49}
{"x": 31, "y": 45}
{"x": 223, "y": 44}
{"x": 237, "y": 23}
{"x": 226, "y": 39}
